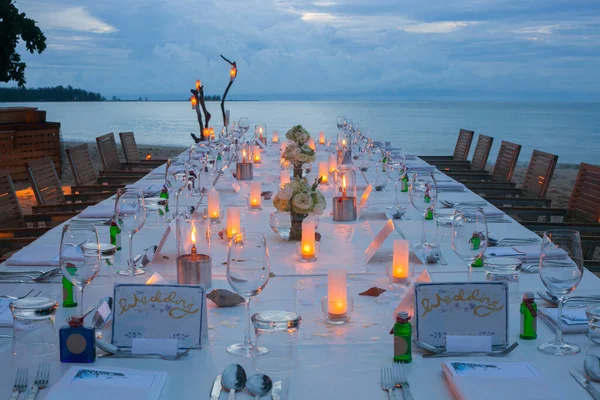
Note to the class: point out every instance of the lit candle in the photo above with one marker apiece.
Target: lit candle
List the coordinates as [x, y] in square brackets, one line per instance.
[344, 143]
[257, 155]
[260, 132]
[284, 177]
[244, 155]
[194, 251]
[282, 147]
[255, 199]
[332, 163]
[307, 245]
[198, 84]
[337, 297]
[343, 185]
[311, 143]
[232, 73]
[212, 133]
[321, 137]
[275, 137]
[233, 221]
[323, 173]
[214, 204]
[400, 261]
[148, 156]
[206, 132]
[194, 102]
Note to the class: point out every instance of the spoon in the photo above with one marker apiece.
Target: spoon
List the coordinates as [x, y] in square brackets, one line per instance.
[115, 352]
[497, 353]
[591, 365]
[233, 379]
[40, 278]
[259, 385]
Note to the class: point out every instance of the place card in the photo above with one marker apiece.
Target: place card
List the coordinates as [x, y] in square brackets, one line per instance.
[156, 279]
[468, 344]
[461, 308]
[379, 239]
[165, 347]
[229, 175]
[159, 312]
[162, 242]
[364, 198]
[260, 143]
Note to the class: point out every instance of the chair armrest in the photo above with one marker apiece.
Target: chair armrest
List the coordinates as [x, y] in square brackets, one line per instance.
[469, 175]
[124, 173]
[85, 189]
[518, 201]
[22, 232]
[439, 158]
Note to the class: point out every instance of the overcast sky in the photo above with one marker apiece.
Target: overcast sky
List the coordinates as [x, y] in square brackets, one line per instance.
[322, 49]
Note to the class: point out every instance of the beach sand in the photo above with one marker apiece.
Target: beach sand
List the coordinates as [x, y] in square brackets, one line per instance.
[559, 192]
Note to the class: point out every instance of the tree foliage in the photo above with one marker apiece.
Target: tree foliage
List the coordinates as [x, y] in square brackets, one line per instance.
[14, 26]
[58, 93]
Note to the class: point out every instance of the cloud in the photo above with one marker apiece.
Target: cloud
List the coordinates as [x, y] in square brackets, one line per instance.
[75, 18]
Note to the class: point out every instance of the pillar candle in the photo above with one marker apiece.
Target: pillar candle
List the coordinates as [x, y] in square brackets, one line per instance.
[400, 261]
[214, 204]
[257, 155]
[275, 137]
[284, 177]
[332, 163]
[323, 173]
[337, 297]
[321, 137]
[255, 199]
[233, 221]
[307, 245]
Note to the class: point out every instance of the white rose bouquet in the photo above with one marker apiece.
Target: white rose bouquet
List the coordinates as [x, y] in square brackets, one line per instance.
[298, 152]
[298, 135]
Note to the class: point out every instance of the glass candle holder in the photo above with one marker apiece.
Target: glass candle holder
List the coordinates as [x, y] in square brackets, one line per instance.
[308, 255]
[333, 316]
[260, 132]
[215, 217]
[344, 195]
[194, 258]
[34, 330]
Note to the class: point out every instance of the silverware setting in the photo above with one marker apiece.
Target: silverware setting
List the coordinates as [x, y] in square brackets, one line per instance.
[41, 379]
[387, 382]
[44, 276]
[20, 383]
[495, 353]
[22, 297]
[115, 352]
[531, 268]
[234, 380]
[400, 381]
[509, 242]
[586, 384]
[550, 298]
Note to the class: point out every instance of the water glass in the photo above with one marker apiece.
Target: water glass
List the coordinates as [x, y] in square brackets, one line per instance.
[130, 211]
[502, 268]
[593, 316]
[277, 331]
[469, 234]
[423, 197]
[34, 330]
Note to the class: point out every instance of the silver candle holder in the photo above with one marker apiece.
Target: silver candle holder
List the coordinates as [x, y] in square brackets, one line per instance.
[194, 260]
[194, 269]
[344, 194]
[244, 171]
[344, 209]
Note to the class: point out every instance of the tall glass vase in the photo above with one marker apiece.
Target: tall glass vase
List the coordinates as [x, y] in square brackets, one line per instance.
[296, 228]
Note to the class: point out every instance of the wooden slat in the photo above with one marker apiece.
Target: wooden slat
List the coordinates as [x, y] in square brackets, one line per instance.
[107, 147]
[584, 203]
[130, 148]
[11, 215]
[539, 174]
[463, 145]
[82, 165]
[506, 162]
[44, 181]
[482, 153]
[21, 114]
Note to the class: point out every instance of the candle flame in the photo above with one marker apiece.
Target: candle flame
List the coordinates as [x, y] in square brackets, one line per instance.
[193, 235]
[198, 84]
[148, 156]
[343, 182]
[233, 72]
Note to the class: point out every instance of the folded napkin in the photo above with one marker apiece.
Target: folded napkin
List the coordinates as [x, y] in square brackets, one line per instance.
[450, 186]
[39, 255]
[6, 318]
[492, 212]
[530, 253]
[102, 210]
[147, 188]
[574, 319]
[421, 167]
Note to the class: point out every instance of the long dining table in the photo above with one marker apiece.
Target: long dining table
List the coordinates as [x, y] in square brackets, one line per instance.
[335, 361]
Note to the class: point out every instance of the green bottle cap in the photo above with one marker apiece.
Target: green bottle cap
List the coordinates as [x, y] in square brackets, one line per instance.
[528, 296]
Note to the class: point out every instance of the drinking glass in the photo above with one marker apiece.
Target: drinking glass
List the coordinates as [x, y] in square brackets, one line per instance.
[243, 125]
[177, 180]
[248, 269]
[423, 196]
[79, 255]
[130, 211]
[341, 122]
[469, 234]
[561, 269]
[396, 171]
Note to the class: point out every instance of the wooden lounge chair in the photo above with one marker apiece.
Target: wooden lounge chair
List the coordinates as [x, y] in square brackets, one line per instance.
[461, 150]
[14, 230]
[86, 178]
[132, 155]
[478, 163]
[107, 148]
[532, 192]
[49, 193]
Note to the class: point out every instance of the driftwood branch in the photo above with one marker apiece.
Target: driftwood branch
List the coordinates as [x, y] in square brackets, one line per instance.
[198, 112]
[233, 65]
[204, 110]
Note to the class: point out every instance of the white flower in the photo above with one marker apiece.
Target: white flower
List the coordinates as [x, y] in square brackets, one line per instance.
[286, 192]
[302, 203]
[319, 208]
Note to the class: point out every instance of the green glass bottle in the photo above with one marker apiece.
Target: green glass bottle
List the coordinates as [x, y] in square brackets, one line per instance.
[528, 317]
[115, 234]
[383, 162]
[68, 291]
[164, 194]
[402, 338]
[404, 184]
[474, 243]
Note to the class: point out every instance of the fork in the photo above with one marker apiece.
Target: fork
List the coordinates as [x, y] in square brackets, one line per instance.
[41, 380]
[512, 241]
[22, 297]
[387, 382]
[401, 382]
[20, 383]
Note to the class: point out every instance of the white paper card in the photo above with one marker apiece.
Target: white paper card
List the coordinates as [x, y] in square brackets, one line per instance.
[166, 347]
[156, 279]
[461, 308]
[490, 369]
[408, 302]
[364, 198]
[468, 344]
[379, 239]
[104, 311]
[260, 143]
[162, 241]
[229, 175]
[159, 312]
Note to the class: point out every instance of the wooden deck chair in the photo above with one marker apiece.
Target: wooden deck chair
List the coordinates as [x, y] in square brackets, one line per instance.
[132, 154]
[504, 168]
[109, 155]
[477, 164]
[86, 177]
[49, 193]
[461, 150]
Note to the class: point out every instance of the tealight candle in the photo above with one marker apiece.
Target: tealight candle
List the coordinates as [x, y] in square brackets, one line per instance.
[254, 201]
[307, 245]
[198, 84]
[275, 137]
[214, 205]
[206, 132]
[257, 159]
[400, 263]
[311, 143]
[321, 137]
[284, 177]
[323, 173]
[337, 296]
[332, 163]
[194, 102]
[233, 221]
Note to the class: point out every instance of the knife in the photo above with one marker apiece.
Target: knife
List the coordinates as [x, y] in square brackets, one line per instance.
[215, 392]
[585, 383]
[276, 391]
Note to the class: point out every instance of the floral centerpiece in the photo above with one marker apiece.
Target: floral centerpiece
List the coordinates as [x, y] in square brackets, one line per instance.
[298, 152]
[299, 199]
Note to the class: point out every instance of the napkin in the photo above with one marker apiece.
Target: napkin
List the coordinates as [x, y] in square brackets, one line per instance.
[102, 210]
[420, 167]
[450, 186]
[574, 319]
[530, 253]
[41, 255]
[6, 319]
[147, 188]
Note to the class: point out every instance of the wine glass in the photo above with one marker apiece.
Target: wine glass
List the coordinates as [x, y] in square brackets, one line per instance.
[248, 269]
[243, 125]
[177, 180]
[79, 255]
[561, 270]
[396, 171]
[423, 196]
[130, 211]
[470, 235]
[341, 122]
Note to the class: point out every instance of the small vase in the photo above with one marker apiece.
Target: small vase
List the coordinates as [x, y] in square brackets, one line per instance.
[296, 228]
[284, 223]
[298, 171]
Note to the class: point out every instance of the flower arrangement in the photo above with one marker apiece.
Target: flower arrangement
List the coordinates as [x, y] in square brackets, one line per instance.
[299, 199]
[298, 152]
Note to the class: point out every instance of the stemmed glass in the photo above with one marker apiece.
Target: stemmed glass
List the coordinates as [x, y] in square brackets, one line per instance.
[248, 270]
[243, 125]
[561, 270]
[177, 180]
[341, 122]
[423, 196]
[469, 234]
[79, 255]
[130, 211]
[396, 170]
